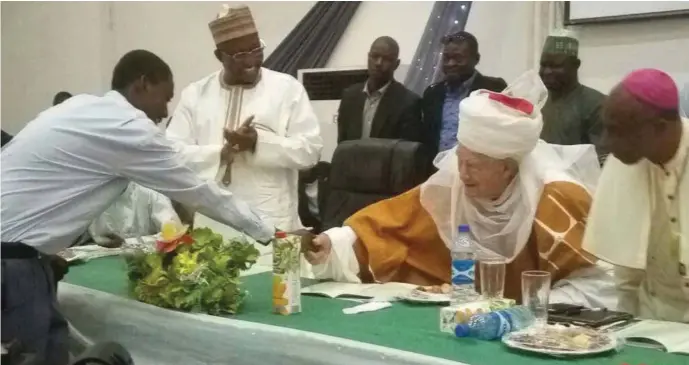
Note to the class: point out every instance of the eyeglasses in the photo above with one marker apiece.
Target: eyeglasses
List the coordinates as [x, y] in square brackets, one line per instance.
[243, 56]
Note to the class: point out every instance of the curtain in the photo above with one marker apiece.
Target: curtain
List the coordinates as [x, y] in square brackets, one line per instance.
[547, 16]
[446, 17]
[311, 43]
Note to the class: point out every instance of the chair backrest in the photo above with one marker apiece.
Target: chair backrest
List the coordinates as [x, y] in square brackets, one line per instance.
[366, 171]
[319, 176]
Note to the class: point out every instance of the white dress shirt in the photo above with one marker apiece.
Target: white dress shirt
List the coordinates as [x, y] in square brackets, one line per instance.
[75, 159]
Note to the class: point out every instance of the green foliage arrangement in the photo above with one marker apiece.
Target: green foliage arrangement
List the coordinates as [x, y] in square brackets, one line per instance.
[198, 272]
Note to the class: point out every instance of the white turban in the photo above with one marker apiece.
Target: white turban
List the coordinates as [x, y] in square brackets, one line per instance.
[502, 125]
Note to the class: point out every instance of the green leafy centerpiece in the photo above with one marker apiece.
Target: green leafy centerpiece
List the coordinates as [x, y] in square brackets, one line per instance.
[197, 271]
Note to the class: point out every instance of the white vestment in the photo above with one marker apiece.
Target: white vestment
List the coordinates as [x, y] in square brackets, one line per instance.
[639, 221]
[139, 211]
[288, 140]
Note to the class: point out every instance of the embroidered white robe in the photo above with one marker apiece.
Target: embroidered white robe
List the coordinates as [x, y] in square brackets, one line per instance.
[288, 140]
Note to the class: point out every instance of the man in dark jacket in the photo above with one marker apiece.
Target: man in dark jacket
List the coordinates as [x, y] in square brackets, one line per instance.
[381, 107]
[573, 112]
[61, 97]
[6, 138]
[441, 100]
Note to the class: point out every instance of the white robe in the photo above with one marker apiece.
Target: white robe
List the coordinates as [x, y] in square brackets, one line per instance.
[639, 221]
[591, 286]
[288, 140]
[139, 211]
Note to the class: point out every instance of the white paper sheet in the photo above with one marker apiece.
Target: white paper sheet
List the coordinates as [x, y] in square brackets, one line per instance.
[379, 292]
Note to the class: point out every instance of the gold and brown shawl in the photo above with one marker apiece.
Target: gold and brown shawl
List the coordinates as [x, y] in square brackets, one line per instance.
[398, 240]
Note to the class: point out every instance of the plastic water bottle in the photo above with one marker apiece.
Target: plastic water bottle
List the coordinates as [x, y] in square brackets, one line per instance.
[494, 325]
[463, 262]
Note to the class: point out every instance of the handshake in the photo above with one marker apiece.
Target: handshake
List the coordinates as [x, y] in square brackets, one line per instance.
[316, 248]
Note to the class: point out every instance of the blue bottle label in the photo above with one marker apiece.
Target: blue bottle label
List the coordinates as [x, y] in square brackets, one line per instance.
[462, 272]
[505, 326]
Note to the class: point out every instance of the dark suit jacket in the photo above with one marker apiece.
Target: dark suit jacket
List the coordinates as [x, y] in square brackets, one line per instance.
[398, 115]
[433, 99]
[6, 138]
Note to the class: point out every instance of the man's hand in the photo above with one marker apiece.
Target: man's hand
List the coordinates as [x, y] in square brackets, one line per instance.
[243, 138]
[321, 247]
[306, 238]
[59, 266]
[227, 152]
[114, 241]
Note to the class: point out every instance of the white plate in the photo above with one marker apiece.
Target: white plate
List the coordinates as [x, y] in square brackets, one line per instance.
[521, 340]
[418, 296]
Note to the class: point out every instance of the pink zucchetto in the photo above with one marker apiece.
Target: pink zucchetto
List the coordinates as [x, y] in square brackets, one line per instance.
[654, 88]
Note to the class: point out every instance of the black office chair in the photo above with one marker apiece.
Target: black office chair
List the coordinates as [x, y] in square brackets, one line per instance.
[318, 175]
[105, 353]
[366, 171]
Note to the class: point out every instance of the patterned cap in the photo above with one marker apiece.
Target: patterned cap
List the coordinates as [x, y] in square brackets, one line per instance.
[232, 23]
[561, 42]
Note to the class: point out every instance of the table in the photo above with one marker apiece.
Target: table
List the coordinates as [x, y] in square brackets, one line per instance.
[398, 332]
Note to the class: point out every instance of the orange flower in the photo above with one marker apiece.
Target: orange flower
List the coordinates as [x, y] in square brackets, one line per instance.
[169, 246]
[172, 234]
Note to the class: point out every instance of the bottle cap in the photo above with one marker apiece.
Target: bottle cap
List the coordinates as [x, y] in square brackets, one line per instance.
[464, 228]
[280, 234]
[462, 330]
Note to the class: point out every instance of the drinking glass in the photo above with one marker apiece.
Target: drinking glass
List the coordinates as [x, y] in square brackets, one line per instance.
[492, 275]
[535, 294]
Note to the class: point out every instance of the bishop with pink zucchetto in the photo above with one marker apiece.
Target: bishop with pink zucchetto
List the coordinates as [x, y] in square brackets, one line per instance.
[639, 220]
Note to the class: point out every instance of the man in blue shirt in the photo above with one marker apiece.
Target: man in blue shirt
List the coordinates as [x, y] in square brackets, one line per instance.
[441, 100]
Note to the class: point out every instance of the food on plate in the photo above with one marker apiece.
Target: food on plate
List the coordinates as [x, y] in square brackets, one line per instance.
[436, 289]
[561, 338]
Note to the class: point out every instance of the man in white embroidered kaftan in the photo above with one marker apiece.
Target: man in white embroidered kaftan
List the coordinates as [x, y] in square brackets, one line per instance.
[248, 127]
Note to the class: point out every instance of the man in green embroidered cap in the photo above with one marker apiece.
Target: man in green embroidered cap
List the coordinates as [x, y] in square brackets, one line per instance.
[572, 114]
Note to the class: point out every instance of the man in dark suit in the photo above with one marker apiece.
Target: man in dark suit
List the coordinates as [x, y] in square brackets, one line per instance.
[60, 97]
[381, 107]
[6, 138]
[441, 100]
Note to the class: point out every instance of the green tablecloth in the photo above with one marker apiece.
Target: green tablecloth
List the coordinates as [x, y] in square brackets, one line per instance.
[404, 327]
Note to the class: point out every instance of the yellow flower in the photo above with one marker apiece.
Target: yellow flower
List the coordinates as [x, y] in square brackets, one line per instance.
[172, 230]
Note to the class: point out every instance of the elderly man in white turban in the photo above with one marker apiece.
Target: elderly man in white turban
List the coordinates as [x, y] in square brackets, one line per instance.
[524, 200]
[248, 127]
